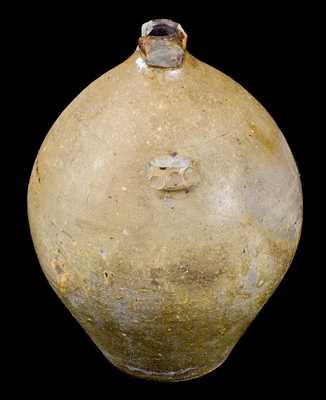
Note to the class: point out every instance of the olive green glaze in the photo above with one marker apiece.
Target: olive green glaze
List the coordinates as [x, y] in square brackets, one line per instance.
[165, 208]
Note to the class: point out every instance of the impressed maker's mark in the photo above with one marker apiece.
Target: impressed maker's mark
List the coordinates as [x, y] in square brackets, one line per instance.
[172, 173]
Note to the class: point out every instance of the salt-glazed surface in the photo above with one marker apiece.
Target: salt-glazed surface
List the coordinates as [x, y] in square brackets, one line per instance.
[165, 208]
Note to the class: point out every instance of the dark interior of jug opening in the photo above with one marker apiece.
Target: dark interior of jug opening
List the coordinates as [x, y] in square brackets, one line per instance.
[162, 30]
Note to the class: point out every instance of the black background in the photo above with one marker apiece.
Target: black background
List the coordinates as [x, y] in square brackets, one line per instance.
[55, 54]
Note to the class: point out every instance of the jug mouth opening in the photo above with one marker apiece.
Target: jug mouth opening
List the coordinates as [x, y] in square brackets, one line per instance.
[160, 27]
[162, 43]
[162, 30]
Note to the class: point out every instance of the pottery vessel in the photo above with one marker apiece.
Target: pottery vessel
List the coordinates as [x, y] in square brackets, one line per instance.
[165, 207]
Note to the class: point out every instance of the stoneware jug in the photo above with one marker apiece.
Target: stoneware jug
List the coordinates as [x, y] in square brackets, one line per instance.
[165, 207]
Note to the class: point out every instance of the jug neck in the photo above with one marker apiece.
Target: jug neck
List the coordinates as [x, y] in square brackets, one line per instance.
[162, 43]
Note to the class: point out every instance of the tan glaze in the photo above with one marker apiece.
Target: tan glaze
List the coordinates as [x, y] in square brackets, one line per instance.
[165, 208]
